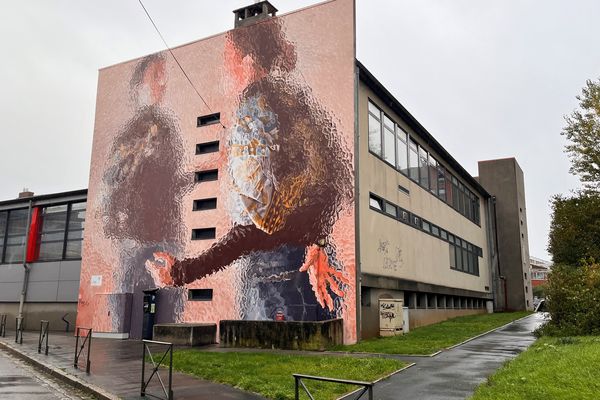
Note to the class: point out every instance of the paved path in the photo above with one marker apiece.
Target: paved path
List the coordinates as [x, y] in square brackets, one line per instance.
[454, 374]
[20, 381]
[116, 368]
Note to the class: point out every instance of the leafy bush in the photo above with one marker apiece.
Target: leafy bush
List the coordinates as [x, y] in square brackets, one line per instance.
[573, 301]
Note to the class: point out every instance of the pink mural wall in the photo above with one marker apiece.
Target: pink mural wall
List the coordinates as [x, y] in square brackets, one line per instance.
[284, 220]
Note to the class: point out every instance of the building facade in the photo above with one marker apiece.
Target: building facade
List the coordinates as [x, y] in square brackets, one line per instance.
[292, 186]
[539, 270]
[40, 258]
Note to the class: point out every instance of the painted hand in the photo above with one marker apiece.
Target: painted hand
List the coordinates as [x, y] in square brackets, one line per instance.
[160, 268]
[323, 276]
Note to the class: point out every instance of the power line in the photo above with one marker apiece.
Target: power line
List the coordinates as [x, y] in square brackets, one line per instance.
[176, 60]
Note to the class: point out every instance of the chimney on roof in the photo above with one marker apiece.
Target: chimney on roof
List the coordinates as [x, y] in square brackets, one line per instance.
[253, 13]
[25, 193]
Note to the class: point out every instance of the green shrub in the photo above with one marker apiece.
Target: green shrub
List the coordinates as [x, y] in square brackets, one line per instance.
[573, 301]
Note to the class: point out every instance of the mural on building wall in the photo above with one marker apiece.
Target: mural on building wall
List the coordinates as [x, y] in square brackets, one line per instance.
[285, 244]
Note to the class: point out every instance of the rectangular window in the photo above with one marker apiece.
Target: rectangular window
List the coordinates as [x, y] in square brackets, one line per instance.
[404, 216]
[209, 119]
[203, 233]
[433, 175]
[443, 234]
[404, 190]
[77, 212]
[452, 256]
[423, 168]
[374, 129]
[206, 176]
[15, 236]
[413, 161]
[200, 294]
[401, 150]
[391, 209]
[426, 226]
[465, 256]
[389, 141]
[208, 147]
[459, 260]
[441, 182]
[205, 204]
[3, 220]
[416, 221]
[461, 198]
[375, 202]
[455, 194]
[435, 231]
[51, 238]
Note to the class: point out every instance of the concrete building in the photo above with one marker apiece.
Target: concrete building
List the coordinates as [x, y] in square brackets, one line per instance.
[40, 258]
[539, 270]
[504, 178]
[296, 189]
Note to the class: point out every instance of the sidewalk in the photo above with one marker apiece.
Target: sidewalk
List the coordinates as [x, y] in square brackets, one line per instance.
[115, 369]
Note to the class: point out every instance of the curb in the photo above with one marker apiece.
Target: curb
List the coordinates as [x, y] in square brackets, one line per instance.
[60, 374]
[378, 380]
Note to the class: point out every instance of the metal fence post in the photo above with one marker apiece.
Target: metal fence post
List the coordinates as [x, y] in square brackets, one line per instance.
[44, 328]
[79, 349]
[143, 391]
[3, 325]
[171, 372]
[89, 363]
[19, 330]
[76, 347]
[297, 397]
[168, 391]
[366, 386]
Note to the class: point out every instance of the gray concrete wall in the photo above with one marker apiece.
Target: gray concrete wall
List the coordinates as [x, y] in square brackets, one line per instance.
[504, 180]
[35, 312]
[56, 281]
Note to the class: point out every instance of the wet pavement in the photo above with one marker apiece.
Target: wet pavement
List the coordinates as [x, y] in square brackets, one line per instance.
[454, 374]
[116, 369]
[20, 381]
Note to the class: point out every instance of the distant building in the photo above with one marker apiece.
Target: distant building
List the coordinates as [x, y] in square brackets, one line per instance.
[539, 270]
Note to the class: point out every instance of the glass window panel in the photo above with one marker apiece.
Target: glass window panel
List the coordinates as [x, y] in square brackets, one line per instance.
[53, 236]
[391, 210]
[451, 238]
[78, 206]
[75, 234]
[416, 221]
[413, 161]
[470, 266]
[465, 257]
[449, 196]
[375, 203]
[73, 249]
[404, 216]
[426, 226]
[77, 219]
[423, 168]
[389, 146]
[458, 258]
[3, 219]
[402, 152]
[374, 135]
[14, 254]
[51, 251]
[433, 174]
[441, 182]
[17, 222]
[435, 230]
[388, 122]
[455, 197]
[452, 256]
[374, 109]
[443, 234]
[54, 222]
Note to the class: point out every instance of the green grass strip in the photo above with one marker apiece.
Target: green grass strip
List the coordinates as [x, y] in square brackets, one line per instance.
[432, 338]
[552, 368]
[270, 374]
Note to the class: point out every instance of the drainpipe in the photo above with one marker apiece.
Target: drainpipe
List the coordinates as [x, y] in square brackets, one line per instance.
[26, 268]
[502, 277]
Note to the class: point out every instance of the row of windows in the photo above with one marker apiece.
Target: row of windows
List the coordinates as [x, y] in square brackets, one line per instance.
[390, 142]
[208, 203]
[59, 236]
[464, 256]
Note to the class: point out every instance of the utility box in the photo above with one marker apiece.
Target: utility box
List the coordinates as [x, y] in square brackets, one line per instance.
[391, 317]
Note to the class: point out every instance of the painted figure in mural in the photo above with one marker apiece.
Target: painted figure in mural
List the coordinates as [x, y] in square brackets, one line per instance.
[143, 186]
[290, 177]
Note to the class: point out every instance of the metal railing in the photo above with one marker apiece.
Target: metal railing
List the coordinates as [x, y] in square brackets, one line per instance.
[167, 391]
[367, 387]
[3, 325]
[19, 330]
[44, 328]
[79, 349]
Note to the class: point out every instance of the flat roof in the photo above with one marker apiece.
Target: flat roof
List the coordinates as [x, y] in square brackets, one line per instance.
[369, 79]
[51, 196]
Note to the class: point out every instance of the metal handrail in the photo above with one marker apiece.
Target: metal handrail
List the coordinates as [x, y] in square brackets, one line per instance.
[367, 387]
[3, 325]
[78, 349]
[19, 330]
[44, 328]
[168, 392]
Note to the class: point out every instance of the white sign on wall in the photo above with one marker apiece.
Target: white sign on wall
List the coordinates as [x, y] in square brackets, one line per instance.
[96, 280]
[391, 317]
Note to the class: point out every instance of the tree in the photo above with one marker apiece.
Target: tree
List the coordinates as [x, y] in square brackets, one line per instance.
[575, 228]
[583, 132]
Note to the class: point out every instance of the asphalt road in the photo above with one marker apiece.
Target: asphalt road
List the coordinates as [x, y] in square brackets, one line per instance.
[20, 381]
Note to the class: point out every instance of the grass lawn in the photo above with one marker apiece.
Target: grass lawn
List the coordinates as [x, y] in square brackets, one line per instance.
[552, 368]
[431, 338]
[270, 374]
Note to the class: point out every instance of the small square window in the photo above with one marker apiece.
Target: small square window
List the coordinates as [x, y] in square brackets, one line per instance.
[206, 176]
[208, 147]
[205, 204]
[376, 203]
[203, 233]
[200, 294]
[209, 119]
[391, 209]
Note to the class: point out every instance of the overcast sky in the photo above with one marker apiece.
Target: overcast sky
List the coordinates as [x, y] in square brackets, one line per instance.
[489, 79]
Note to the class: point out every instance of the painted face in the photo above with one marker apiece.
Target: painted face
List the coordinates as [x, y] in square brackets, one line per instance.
[154, 83]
